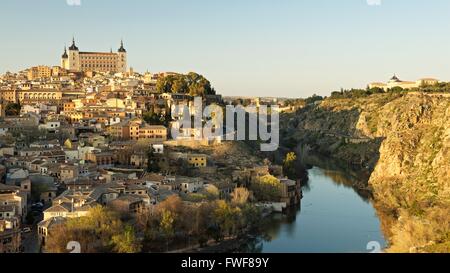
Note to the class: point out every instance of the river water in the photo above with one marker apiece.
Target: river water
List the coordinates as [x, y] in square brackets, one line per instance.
[334, 217]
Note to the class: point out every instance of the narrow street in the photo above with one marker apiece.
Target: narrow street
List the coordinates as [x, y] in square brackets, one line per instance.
[30, 241]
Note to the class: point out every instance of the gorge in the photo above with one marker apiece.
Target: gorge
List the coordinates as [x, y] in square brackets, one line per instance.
[402, 139]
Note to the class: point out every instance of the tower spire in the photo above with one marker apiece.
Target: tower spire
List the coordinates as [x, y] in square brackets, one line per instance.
[122, 49]
[65, 52]
[73, 46]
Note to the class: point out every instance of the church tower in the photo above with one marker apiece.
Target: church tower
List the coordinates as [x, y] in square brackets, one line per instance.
[65, 59]
[122, 61]
[74, 57]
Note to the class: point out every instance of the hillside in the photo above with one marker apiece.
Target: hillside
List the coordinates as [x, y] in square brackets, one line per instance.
[405, 139]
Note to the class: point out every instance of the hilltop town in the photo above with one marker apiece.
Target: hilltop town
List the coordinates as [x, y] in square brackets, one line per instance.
[90, 139]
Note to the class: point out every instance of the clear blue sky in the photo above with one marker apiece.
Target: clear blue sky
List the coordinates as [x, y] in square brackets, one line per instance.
[291, 48]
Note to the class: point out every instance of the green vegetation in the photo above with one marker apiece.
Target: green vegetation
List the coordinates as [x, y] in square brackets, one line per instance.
[400, 135]
[372, 123]
[125, 242]
[12, 109]
[152, 161]
[166, 226]
[289, 163]
[443, 87]
[211, 192]
[177, 224]
[438, 88]
[358, 93]
[155, 119]
[430, 233]
[266, 188]
[192, 84]
[101, 231]
[36, 190]
[295, 102]
[313, 99]
[240, 196]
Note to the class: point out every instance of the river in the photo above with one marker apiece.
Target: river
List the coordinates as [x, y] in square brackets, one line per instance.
[334, 217]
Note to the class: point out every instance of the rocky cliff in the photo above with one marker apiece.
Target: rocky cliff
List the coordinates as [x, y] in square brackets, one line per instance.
[405, 140]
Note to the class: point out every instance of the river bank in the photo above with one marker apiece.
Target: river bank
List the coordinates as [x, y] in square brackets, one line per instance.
[334, 217]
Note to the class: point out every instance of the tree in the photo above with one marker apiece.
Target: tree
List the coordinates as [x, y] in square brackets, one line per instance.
[167, 225]
[152, 162]
[227, 217]
[427, 232]
[288, 163]
[12, 109]
[58, 238]
[37, 189]
[376, 90]
[266, 188]
[192, 84]
[396, 89]
[180, 85]
[314, 98]
[204, 225]
[173, 204]
[155, 119]
[183, 167]
[93, 232]
[251, 218]
[200, 87]
[126, 242]
[290, 159]
[164, 84]
[212, 192]
[201, 222]
[240, 196]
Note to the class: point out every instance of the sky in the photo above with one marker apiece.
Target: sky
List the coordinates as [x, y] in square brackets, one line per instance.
[279, 48]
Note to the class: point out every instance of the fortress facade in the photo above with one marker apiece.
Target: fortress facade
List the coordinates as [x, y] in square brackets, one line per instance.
[81, 61]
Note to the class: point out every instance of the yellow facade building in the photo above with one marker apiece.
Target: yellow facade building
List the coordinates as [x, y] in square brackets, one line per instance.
[74, 116]
[78, 61]
[32, 95]
[153, 132]
[39, 72]
[196, 160]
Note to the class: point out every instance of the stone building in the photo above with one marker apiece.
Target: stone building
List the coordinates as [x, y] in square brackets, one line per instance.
[396, 82]
[79, 61]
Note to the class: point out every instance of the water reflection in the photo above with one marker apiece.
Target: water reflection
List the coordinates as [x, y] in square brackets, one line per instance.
[341, 174]
[336, 214]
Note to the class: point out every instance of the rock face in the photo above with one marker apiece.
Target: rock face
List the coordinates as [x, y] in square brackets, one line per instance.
[405, 139]
[414, 156]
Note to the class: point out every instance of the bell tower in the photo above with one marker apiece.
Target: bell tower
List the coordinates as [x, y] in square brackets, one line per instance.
[122, 61]
[65, 59]
[74, 57]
